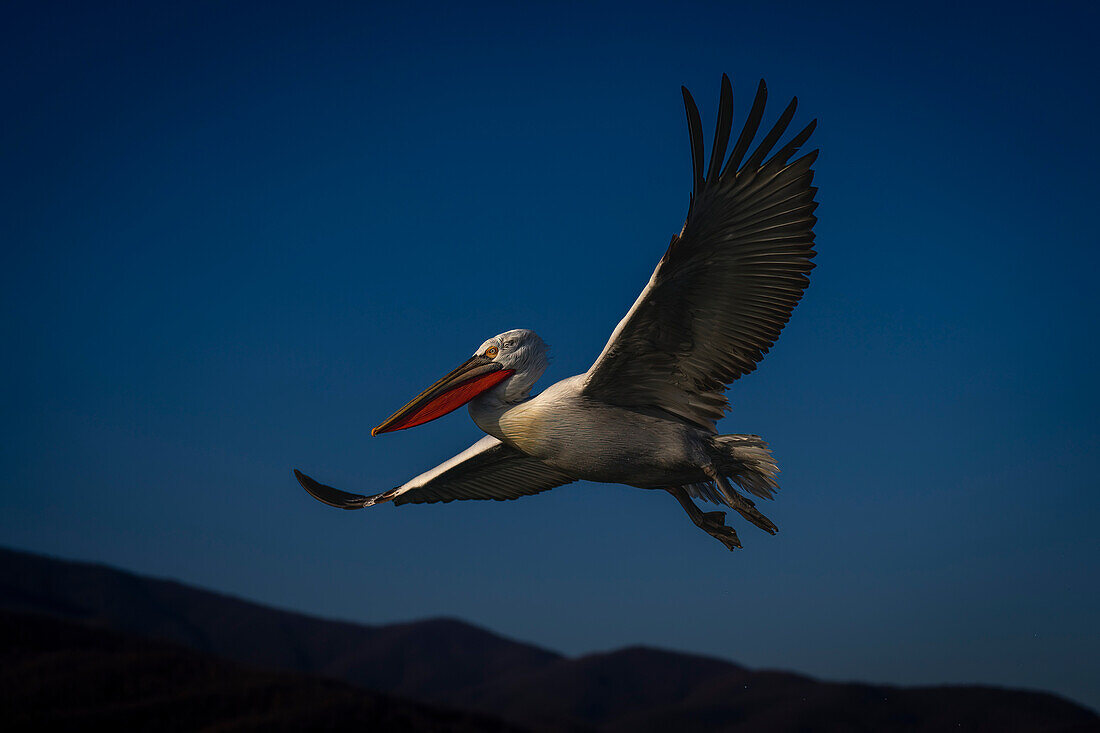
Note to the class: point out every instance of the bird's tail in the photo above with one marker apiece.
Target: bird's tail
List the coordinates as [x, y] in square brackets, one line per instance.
[748, 462]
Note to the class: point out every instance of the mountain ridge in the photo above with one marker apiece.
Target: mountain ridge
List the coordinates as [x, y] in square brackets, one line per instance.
[62, 674]
[253, 633]
[448, 662]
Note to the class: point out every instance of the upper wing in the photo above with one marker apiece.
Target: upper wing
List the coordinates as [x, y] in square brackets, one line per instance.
[488, 469]
[727, 284]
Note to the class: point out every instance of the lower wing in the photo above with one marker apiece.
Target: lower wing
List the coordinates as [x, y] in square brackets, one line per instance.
[488, 469]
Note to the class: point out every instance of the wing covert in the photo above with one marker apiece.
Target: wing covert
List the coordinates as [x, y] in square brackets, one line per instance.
[489, 469]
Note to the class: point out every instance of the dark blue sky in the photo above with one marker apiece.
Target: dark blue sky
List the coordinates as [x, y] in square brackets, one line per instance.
[237, 237]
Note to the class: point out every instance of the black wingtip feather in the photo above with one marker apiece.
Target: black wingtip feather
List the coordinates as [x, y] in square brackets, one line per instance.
[329, 495]
[780, 159]
[721, 130]
[810, 158]
[695, 131]
[769, 141]
[748, 132]
[800, 139]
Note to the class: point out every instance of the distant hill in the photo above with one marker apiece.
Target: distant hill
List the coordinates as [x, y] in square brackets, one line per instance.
[453, 664]
[415, 659]
[58, 674]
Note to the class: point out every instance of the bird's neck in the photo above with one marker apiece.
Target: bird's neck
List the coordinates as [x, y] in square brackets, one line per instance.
[487, 408]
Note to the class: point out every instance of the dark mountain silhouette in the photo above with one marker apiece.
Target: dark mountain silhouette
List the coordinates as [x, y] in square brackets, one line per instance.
[641, 689]
[57, 674]
[456, 665]
[413, 659]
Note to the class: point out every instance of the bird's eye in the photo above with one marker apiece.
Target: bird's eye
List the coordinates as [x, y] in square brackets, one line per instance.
[491, 351]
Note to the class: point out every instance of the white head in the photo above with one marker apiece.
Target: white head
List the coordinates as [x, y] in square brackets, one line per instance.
[508, 365]
[521, 351]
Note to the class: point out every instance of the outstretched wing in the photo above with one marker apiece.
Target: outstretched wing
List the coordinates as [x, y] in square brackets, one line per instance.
[728, 282]
[488, 469]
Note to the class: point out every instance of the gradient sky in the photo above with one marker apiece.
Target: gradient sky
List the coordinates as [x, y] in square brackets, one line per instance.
[236, 236]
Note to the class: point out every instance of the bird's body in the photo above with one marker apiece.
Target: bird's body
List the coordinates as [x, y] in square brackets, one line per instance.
[645, 413]
[592, 440]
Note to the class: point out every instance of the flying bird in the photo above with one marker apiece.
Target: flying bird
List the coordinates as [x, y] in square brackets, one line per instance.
[645, 413]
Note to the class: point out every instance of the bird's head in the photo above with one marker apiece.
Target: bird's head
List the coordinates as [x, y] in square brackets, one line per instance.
[512, 362]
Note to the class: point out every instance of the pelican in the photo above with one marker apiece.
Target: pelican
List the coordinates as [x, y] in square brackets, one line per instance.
[645, 413]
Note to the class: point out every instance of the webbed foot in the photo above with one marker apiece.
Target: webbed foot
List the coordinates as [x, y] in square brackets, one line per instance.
[714, 524]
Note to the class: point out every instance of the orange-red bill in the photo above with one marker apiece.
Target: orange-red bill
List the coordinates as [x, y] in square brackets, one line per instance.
[448, 394]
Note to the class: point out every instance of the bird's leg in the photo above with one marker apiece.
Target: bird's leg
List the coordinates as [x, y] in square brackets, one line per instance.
[745, 506]
[713, 523]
